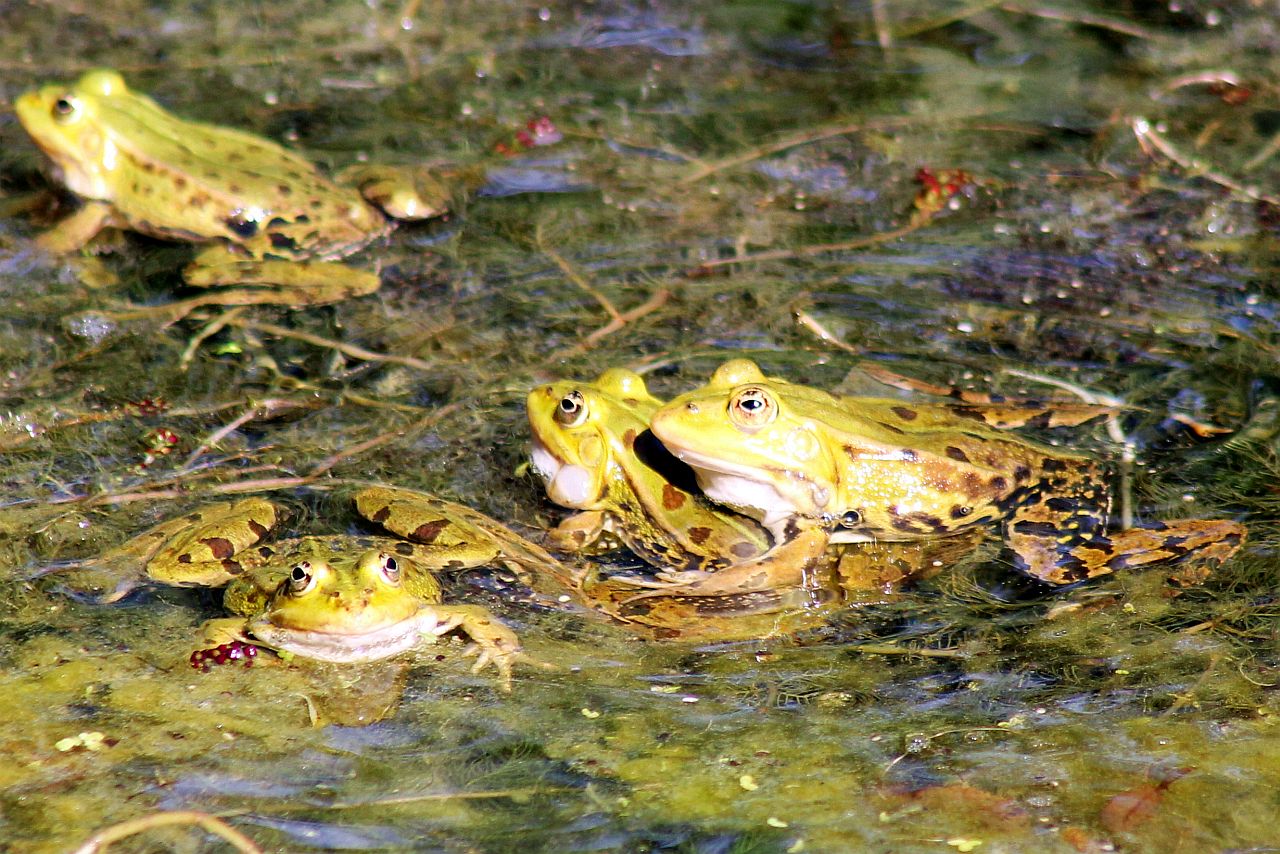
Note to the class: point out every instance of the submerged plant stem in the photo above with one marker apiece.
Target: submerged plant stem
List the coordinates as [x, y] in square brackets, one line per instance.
[101, 840]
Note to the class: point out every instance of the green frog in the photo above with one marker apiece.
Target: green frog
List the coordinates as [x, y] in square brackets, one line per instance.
[816, 469]
[348, 599]
[268, 215]
[593, 448]
[334, 598]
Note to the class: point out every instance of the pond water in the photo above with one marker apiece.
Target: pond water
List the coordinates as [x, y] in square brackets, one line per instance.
[762, 179]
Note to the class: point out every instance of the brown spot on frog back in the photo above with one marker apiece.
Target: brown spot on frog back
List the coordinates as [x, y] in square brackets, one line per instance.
[699, 535]
[905, 413]
[672, 498]
[629, 440]
[427, 532]
[957, 454]
[220, 547]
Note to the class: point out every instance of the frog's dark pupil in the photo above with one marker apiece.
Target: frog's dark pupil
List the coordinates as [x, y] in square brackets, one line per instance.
[850, 518]
[299, 573]
[63, 106]
[391, 564]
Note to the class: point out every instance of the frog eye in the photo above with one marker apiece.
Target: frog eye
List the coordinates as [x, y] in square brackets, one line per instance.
[301, 579]
[390, 568]
[752, 408]
[65, 109]
[571, 410]
[850, 519]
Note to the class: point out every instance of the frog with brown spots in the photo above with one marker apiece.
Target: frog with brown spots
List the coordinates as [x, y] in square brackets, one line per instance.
[814, 469]
[593, 448]
[267, 215]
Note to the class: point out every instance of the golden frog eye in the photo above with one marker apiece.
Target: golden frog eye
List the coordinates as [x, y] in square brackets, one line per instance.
[301, 579]
[850, 519]
[571, 410]
[752, 408]
[390, 568]
[65, 109]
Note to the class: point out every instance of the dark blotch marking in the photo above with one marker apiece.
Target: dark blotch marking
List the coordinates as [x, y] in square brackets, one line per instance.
[221, 547]
[672, 498]
[742, 550]
[910, 456]
[1044, 419]
[284, 189]
[629, 438]
[891, 428]
[905, 413]
[243, 228]
[383, 513]
[428, 531]
[277, 222]
[1049, 464]
[956, 454]
[259, 530]
[232, 567]
[1061, 505]
[404, 549]
[1035, 529]
[999, 484]
[699, 535]
[1021, 473]
[283, 241]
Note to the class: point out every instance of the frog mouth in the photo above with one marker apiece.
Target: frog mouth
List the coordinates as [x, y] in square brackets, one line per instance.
[343, 648]
[743, 487]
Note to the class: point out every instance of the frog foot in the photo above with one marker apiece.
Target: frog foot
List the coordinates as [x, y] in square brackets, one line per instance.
[491, 641]
[1077, 556]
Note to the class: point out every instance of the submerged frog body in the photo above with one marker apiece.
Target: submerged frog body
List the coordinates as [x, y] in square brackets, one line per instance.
[592, 446]
[815, 469]
[269, 216]
[334, 598]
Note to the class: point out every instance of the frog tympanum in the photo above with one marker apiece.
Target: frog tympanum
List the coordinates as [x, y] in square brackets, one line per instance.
[268, 215]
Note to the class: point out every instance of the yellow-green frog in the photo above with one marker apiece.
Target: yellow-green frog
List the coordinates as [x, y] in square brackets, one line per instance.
[337, 599]
[270, 217]
[592, 446]
[816, 469]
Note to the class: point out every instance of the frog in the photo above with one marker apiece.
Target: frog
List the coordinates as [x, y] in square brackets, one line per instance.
[267, 215]
[349, 599]
[834, 469]
[329, 597]
[594, 451]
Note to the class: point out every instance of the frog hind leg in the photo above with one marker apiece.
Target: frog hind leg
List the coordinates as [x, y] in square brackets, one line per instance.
[1063, 541]
[284, 282]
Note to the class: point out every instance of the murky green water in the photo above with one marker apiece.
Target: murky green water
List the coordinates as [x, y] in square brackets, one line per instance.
[1118, 234]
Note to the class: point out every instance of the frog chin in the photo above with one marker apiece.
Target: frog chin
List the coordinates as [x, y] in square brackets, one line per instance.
[372, 645]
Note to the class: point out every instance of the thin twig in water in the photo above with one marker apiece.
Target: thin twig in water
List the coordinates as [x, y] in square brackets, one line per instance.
[346, 349]
[382, 439]
[1087, 19]
[210, 329]
[1148, 135]
[802, 138]
[571, 273]
[816, 249]
[255, 412]
[811, 323]
[209, 823]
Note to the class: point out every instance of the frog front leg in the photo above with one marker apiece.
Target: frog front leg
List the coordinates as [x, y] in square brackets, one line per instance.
[1063, 540]
[284, 282]
[76, 230]
[493, 642]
